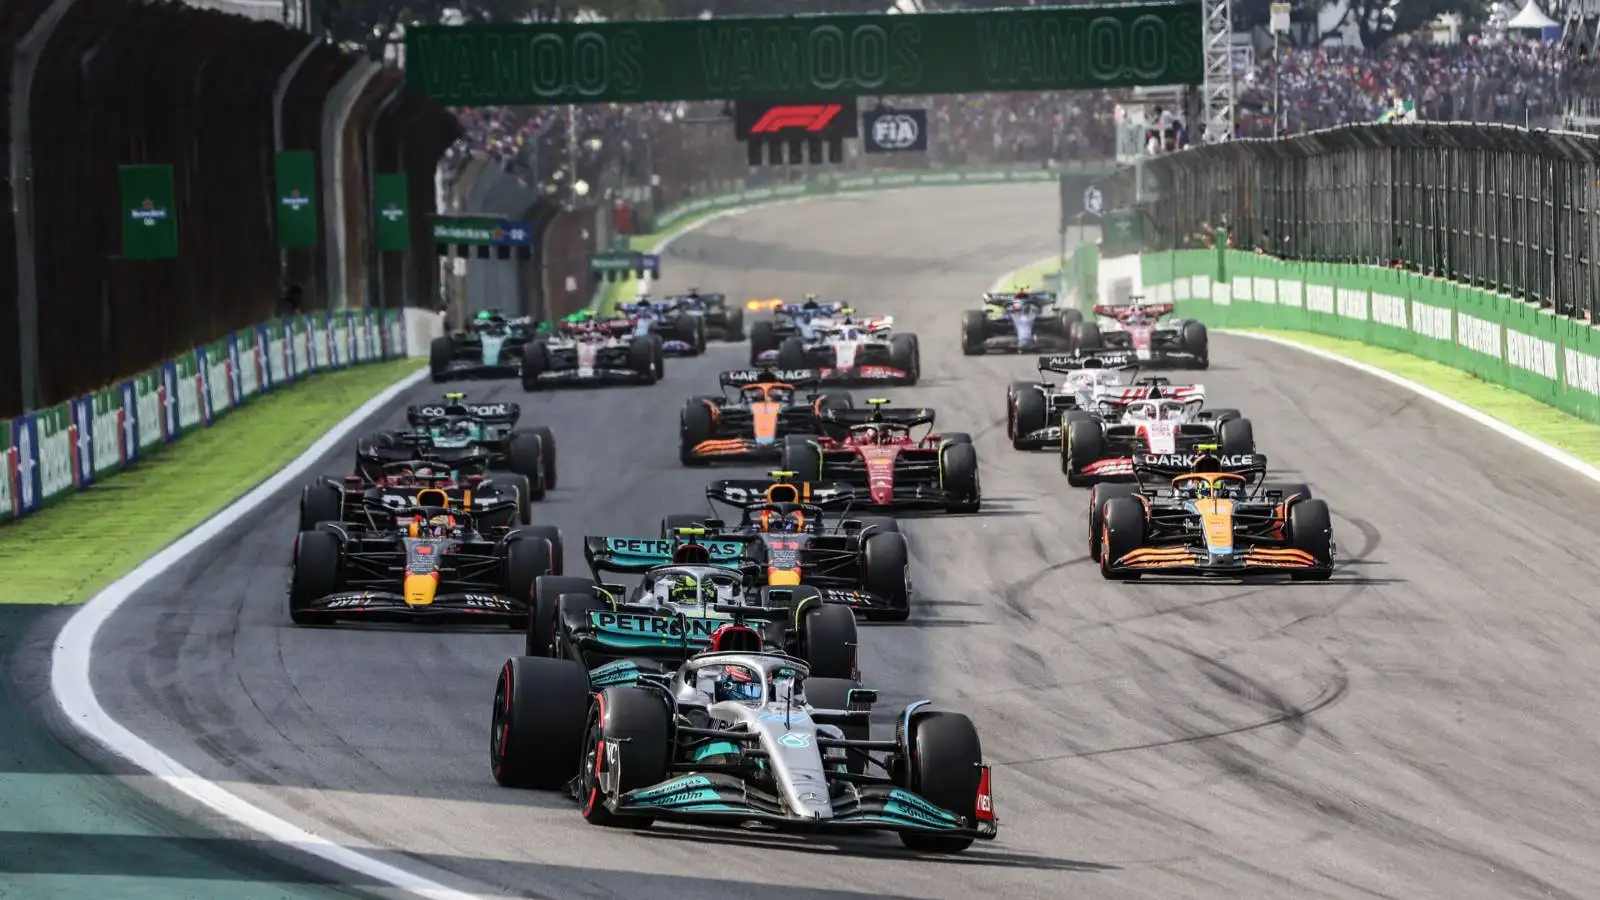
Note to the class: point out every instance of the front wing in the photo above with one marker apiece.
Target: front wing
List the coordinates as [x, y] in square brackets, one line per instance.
[903, 497]
[736, 449]
[864, 375]
[1042, 343]
[595, 376]
[1246, 562]
[463, 369]
[463, 607]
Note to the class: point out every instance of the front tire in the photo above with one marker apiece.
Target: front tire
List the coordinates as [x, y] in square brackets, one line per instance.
[316, 572]
[537, 729]
[958, 464]
[636, 723]
[973, 326]
[945, 767]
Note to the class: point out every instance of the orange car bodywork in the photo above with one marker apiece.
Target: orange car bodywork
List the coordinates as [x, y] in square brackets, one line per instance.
[1217, 536]
[765, 415]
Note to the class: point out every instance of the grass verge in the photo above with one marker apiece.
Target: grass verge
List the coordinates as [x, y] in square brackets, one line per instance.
[72, 549]
[1546, 423]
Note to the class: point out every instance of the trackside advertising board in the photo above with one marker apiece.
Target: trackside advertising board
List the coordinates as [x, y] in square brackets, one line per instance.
[1500, 339]
[49, 453]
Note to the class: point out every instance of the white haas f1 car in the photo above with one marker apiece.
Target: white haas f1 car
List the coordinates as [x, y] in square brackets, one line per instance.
[855, 351]
[1153, 420]
[1137, 327]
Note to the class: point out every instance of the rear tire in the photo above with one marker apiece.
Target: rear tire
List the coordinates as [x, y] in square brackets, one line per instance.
[886, 572]
[540, 636]
[1086, 336]
[803, 458]
[320, 503]
[535, 362]
[828, 640]
[526, 559]
[536, 733]
[642, 359]
[792, 353]
[905, 354]
[973, 330]
[1197, 342]
[1237, 436]
[945, 768]
[523, 490]
[635, 722]
[763, 339]
[547, 453]
[735, 328]
[526, 458]
[441, 353]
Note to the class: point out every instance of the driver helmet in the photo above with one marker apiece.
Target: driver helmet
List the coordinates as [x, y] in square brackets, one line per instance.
[869, 435]
[1141, 411]
[694, 293]
[685, 591]
[441, 526]
[484, 315]
[1170, 410]
[811, 301]
[783, 521]
[738, 684]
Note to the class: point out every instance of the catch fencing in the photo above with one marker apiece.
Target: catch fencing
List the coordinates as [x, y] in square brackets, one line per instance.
[1496, 207]
[117, 82]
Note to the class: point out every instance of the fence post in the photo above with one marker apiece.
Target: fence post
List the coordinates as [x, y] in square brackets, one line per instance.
[376, 297]
[341, 100]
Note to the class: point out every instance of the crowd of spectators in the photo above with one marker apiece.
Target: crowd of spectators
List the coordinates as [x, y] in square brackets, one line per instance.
[1513, 82]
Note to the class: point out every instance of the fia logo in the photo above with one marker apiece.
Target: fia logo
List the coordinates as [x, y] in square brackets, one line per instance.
[895, 132]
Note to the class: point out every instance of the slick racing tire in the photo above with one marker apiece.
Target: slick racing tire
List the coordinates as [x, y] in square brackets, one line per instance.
[828, 639]
[792, 353]
[733, 332]
[547, 454]
[673, 521]
[691, 330]
[315, 574]
[441, 353]
[535, 362]
[871, 525]
[1082, 443]
[320, 503]
[803, 458]
[658, 354]
[527, 458]
[1292, 493]
[524, 559]
[636, 723]
[905, 353]
[958, 475]
[1099, 496]
[1311, 530]
[973, 330]
[524, 491]
[1236, 436]
[955, 437]
[1068, 318]
[1122, 533]
[1196, 342]
[1085, 336]
[1029, 413]
[763, 339]
[944, 765]
[836, 400]
[886, 572]
[541, 709]
[545, 610]
[834, 693]
[695, 427]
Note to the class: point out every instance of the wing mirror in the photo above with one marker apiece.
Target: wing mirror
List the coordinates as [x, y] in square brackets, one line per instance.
[860, 699]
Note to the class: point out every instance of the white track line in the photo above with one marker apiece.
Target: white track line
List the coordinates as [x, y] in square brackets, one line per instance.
[74, 691]
[1554, 454]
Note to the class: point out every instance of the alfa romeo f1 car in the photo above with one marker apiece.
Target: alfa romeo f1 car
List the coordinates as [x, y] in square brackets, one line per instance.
[691, 587]
[490, 347]
[1136, 327]
[495, 502]
[681, 333]
[1101, 446]
[734, 735]
[873, 453]
[1017, 322]
[788, 320]
[1218, 518]
[769, 407]
[591, 353]
[425, 562]
[466, 436]
[721, 322]
[855, 351]
[863, 562]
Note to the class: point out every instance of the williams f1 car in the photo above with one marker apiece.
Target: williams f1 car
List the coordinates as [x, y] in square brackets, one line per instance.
[1137, 327]
[490, 347]
[798, 533]
[681, 333]
[855, 351]
[1017, 322]
[692, 585]
[1217, 518]
[769, 407]
[592, 353]
[874, 453]
[1099, 446]
[736, 735]
[425, 562]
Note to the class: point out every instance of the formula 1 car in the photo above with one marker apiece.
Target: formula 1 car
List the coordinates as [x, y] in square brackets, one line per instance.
[1017, 322]
[788, 320]
[721, 322]
[1101, 446]
[466, 436]
[873, 452]
[429, 561]
[591, 353]
[1034, 408]
[1218, 518]
[691, 586]
[855, 351]
[1136, 326]
[860, 562]
[495, 501]
[735, 735]
[489, 347]
[769, 407]
[681, 333]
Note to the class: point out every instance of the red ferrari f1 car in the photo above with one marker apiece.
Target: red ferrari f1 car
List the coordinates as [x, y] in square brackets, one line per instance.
[874, 452]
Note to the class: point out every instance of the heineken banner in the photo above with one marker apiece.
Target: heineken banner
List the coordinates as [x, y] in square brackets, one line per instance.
[295, 172]
[390, 205]
[149, 212]
[49, 453]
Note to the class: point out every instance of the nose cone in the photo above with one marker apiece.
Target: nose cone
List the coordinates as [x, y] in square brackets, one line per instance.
[782, 577]
[419, 589]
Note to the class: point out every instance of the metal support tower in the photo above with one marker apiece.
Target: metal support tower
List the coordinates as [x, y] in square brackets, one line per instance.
[1217, 90]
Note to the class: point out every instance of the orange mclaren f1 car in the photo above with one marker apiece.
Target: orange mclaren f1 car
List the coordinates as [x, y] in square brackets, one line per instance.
[1210, 522]
[770, 404]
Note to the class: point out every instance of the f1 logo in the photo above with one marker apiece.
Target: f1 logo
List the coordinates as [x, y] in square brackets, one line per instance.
[812, 118]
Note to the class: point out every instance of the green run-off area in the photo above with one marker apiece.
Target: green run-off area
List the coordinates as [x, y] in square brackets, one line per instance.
[1058, 48]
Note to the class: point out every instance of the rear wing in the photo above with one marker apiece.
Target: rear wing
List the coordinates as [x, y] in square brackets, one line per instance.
[1250, 465]
[636, 555]
[1064, 364]
[1000, 298]
[1123, 394]
[752, 492]
[1119, 310]
[800, 378]
[488, 413]
[908, 417]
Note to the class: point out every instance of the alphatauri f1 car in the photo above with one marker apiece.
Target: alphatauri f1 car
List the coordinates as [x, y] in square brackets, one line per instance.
[735, 735]
[770, 406]
[1034, 409]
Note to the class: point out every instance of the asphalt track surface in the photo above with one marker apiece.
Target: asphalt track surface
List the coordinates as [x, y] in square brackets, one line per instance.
[1421, 726]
